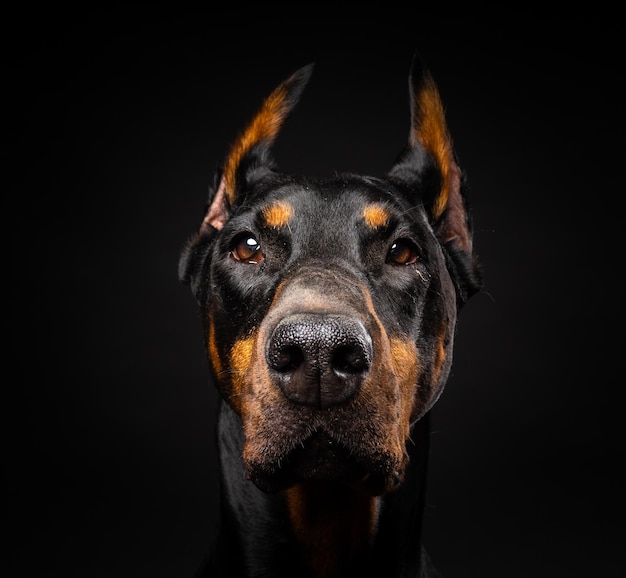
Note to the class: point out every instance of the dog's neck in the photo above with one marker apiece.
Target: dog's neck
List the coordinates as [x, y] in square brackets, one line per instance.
[319, 530]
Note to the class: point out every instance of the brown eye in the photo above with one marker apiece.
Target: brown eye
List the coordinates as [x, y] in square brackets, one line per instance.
[247, 249]
[402, 252]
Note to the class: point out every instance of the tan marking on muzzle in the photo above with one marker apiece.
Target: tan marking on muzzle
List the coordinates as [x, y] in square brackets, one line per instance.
[406, 368]
[405, 363]
[213, 351]
[240, 360]
[400, 358]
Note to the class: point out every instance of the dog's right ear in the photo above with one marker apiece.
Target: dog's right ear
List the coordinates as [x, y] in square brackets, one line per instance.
[249, 158]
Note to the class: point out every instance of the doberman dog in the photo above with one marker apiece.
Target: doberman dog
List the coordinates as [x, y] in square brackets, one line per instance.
[329, 309]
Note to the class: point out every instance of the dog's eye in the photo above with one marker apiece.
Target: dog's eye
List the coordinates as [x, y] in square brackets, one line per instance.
[402, 252]
[247, 249]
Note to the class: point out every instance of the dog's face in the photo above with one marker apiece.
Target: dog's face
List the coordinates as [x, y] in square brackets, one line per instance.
[329, 305]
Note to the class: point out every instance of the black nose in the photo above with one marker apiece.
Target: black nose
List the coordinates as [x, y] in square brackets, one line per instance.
[319, 360]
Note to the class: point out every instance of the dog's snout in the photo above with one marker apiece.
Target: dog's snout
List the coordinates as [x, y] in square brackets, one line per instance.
[319, 360]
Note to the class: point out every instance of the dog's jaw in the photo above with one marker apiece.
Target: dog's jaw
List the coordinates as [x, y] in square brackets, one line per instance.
[322, 459]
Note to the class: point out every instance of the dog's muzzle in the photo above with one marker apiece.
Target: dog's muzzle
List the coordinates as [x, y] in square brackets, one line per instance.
[326, 395]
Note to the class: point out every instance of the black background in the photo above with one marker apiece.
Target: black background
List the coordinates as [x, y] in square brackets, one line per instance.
[116, 121]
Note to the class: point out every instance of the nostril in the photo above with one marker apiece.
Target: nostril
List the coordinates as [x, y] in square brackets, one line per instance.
[286, 358]
[350, 360]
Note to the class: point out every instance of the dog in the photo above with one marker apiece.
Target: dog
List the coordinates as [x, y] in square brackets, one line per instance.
[329, 310]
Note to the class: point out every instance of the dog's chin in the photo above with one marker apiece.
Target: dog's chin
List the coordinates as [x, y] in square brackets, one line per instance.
[320, 458]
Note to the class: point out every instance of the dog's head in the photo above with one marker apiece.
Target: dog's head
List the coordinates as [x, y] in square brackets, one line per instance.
[329, 305]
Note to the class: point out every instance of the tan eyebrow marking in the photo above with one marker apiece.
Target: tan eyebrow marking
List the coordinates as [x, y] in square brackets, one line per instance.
[278, 214]
[376, 215]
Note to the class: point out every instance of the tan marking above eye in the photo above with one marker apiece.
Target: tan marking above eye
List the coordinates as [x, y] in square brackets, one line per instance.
[278, 214]
[376, 215]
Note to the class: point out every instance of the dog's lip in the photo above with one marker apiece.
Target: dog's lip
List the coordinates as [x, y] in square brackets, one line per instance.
[321, 457]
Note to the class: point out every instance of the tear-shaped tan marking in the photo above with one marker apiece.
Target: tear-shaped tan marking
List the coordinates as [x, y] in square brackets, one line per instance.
[376, 215]
[278, 214]
[431, 131]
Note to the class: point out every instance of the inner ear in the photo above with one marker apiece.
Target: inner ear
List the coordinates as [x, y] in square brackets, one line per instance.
[454, 224]
[217, 214]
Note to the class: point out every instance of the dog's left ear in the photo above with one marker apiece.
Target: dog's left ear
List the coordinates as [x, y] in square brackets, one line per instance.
[427, 169]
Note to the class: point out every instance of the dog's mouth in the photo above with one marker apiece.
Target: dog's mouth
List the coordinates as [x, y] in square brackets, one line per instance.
[322, 458]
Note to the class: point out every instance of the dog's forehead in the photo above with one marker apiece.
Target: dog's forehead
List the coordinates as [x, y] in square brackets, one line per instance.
[333, 204]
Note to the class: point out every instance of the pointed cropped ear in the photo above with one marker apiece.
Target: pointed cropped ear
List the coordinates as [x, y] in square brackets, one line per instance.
[428, 164]
[249, 155]
[252, 149]
[428, 169]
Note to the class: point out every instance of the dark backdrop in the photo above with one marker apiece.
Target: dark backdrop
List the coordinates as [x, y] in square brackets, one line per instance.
[117, 120]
